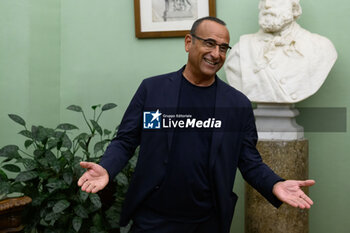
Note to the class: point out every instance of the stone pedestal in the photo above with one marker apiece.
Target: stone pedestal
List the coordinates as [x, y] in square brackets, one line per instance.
[289, 159]
[277, 122]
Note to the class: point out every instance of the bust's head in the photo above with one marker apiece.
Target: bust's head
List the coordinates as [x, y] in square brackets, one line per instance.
[275, 15]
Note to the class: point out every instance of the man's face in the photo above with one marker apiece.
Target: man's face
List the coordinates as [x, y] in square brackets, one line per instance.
[203, 61]
[274, 15]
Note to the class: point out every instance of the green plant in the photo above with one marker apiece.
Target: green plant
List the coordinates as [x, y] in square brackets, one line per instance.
[48, 172]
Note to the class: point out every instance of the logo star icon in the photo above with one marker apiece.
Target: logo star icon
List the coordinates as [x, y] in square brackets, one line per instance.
[156, 115]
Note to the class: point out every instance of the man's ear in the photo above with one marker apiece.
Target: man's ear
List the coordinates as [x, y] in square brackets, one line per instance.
[188, 42]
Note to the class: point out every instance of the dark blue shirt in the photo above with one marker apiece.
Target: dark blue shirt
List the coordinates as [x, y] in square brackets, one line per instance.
[185, 193]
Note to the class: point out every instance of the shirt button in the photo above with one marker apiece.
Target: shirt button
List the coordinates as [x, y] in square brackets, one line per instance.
[294, 96]
[283, 81]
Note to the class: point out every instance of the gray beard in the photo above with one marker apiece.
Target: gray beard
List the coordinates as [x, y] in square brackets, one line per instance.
[274, 23]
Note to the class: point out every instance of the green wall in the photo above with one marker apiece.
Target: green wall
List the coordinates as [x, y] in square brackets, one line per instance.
[54, 53]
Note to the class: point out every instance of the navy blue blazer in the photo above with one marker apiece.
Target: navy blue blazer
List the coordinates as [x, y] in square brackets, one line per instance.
[232, 147]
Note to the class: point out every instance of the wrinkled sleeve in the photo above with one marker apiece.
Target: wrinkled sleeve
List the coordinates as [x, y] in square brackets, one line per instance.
[253, 169]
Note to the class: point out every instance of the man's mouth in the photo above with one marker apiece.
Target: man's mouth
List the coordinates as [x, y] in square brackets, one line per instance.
[210, 62]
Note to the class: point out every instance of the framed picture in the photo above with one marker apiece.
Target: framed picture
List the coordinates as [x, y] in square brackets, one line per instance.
[169, 18]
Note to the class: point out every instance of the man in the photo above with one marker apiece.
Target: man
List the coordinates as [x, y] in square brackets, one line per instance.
[185, 173]
[282, 62]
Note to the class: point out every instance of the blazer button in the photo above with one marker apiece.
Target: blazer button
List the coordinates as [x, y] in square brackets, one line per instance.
[157, 187]
[165, 161]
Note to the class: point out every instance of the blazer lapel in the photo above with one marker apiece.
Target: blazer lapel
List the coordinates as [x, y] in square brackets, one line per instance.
[173, 90]
[217, 134]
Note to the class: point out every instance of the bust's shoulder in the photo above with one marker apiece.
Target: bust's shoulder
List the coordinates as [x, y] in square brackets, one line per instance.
[310, 37]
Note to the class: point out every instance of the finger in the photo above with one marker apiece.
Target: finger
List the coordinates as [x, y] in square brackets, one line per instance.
[96, 189]
[292, 202]
[297, 203]
[307, 199]
[83, 179]
[87, 165]
[90, 187]
[306, 183]
[303, 204]
[85, 186]
[302, 201]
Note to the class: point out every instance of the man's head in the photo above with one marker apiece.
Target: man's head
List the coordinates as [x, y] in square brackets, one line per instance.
[275, 15]
[206, 45]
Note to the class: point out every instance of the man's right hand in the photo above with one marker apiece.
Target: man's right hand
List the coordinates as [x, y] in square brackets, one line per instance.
[94, 179]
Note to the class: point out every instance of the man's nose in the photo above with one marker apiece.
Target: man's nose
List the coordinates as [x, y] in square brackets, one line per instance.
[215, 51]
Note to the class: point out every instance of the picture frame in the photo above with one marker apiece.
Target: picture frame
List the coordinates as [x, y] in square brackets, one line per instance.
[169, 18]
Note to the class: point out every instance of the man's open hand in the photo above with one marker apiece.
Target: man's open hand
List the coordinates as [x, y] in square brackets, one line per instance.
[289, 192]
[94, 179]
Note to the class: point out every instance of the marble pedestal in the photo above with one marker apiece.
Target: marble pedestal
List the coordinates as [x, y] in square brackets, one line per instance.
[289, 159]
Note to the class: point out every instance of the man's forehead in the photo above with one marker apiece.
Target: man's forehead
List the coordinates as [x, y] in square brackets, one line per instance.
[209, 27]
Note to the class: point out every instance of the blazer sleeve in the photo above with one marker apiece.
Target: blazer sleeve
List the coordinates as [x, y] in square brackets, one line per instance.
[253, 169]
[123, 146]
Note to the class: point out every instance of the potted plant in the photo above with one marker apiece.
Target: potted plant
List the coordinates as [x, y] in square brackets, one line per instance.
[47, 171]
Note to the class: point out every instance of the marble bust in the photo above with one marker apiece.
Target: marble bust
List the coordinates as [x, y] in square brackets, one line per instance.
[282, 62]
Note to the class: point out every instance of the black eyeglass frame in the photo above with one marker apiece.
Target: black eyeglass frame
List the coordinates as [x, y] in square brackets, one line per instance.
[227, 47]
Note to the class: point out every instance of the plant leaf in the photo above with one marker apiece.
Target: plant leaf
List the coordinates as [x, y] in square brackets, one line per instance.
[57, 184]
[107, 132]
[9, 151]
[82, 136]
[16, 188]
[52, 160]
[68, 176]
[122, 179]
[66, 142]
[4, 188]
[96, 126]
[67, 154]
[29, 164]
[97, 221]
[77, 221]
[17, 119]
[27, 143]
[66, 126]
[26, 133]
[60, 206]
[95, 106]
[83, 195]
[53, 217]
[3, 175]
[11, 168]
[41, 133]
[100, 145]
[95, 200]
[26, 175]
[108, 106]
[75, 108]
[81, 211]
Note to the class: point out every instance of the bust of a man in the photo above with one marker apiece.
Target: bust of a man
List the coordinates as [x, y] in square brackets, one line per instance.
[282, 62]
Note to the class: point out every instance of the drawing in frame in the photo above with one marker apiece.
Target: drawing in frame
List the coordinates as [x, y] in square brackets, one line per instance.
[169, 18]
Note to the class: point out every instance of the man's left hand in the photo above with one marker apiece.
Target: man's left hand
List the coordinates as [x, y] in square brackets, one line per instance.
[289, 192]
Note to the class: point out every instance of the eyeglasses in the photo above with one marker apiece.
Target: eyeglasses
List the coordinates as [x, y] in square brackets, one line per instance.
[211, 44]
